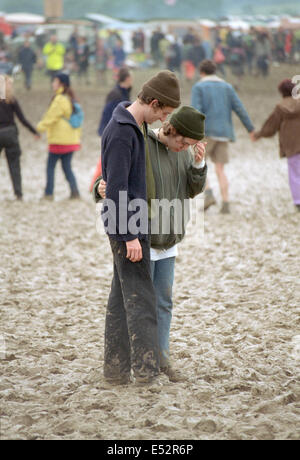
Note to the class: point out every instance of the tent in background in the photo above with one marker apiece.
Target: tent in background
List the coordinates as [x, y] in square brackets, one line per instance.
[24, 18]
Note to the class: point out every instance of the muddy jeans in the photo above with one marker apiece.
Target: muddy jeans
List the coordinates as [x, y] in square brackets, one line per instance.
[131, 337]
[10, 143]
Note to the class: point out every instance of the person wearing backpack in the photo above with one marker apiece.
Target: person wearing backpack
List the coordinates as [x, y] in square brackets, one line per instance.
[62, 122]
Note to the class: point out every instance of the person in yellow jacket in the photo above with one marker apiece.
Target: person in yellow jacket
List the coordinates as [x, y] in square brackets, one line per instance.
[54, 53]
[63, 139]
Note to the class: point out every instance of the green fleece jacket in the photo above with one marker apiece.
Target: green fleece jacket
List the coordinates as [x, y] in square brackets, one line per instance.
[175, 179]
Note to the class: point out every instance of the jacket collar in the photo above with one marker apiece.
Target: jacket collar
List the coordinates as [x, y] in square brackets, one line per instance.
[59, 91]
[121, 115]
[211, 78]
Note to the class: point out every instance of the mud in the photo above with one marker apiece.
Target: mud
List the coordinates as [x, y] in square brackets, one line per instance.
[235, 330]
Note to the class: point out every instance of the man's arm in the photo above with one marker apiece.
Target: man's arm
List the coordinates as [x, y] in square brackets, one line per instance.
[238, 107]
[134, 249]
[116, 164]
[196, 99]
[117, 154]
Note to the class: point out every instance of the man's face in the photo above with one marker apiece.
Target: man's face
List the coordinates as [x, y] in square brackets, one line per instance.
[128, 82]
[154, 112]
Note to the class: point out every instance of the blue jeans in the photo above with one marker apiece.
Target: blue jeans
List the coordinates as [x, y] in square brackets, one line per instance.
[66, 159]
[162, 273]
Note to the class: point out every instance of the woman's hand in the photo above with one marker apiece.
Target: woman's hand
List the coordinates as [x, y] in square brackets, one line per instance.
[199, 150]
[102, 189]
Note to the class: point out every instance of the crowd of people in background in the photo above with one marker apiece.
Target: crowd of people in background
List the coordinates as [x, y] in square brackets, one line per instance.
[249, 52]
[74, 56]
[242, 52]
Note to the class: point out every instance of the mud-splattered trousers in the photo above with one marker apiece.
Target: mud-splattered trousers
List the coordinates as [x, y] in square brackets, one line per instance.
[131, 337]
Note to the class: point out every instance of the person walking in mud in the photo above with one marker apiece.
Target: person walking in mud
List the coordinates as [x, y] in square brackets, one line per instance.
[131, 335]
[82, 58]
[175, 147]
[27, 59]
[63, 139]
[9, 136]
[120, 92]
[217, 99]
[285, 120]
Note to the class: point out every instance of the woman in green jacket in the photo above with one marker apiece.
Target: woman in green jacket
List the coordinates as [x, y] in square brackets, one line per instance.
[179, 172]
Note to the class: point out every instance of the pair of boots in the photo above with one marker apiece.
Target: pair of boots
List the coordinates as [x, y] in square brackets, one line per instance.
[209, 200]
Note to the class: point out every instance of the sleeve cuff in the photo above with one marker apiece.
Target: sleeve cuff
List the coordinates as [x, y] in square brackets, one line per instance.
[199, 165]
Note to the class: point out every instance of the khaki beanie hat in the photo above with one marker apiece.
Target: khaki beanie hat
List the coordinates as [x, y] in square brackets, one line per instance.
[189, 122]
[164, 87]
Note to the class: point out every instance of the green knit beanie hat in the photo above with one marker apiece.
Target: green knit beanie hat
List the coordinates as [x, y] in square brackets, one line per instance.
[164, 87]
[189, 122]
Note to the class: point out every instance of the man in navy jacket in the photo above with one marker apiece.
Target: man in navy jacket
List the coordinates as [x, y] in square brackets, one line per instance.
[131, 339]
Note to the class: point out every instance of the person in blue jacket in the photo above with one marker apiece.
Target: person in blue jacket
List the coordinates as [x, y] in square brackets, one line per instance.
[121, 92]
[119, 55]
[27, 59]
[217, 99]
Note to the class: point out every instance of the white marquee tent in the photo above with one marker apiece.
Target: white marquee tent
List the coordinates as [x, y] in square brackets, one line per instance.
[24, 18]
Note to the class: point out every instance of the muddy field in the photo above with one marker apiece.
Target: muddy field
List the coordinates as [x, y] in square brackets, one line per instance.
[235, 330]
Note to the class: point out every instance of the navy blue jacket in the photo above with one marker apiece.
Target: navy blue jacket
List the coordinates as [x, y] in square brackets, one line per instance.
[114, 97]
[124, 170]
[27, 58]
